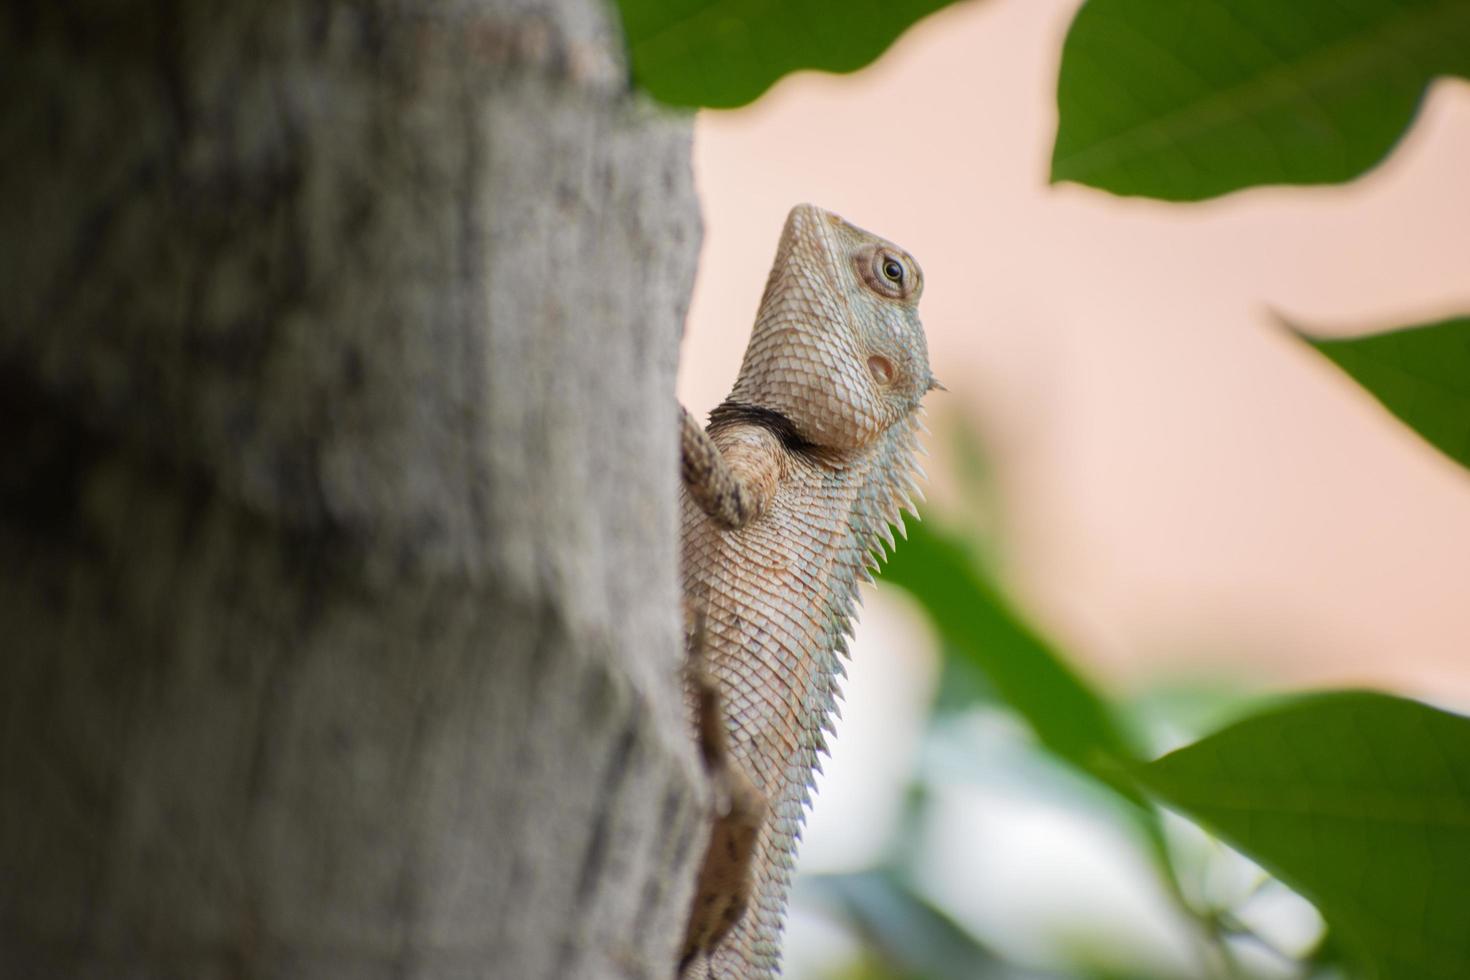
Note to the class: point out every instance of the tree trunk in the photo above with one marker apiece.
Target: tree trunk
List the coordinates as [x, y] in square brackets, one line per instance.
[340, 613]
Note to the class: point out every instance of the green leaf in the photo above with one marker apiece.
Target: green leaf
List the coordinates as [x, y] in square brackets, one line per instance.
[1359, 801]
[1420, 374]
[1188, 99]
[724, 53]
[913, 937]
[972, 616]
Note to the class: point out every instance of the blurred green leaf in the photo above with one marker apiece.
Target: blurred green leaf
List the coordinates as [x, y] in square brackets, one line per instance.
[1359, 801]
[912, 936]
[724, 53]
[963, 685]
[973, 618]
[1188, 100]
[1328, 958]
[864, 968]
[1180, 709]
[1421, 374]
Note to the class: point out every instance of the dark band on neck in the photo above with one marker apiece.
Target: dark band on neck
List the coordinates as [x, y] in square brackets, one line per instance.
[731, 413]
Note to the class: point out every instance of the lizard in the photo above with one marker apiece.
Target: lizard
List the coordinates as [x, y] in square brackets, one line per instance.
[787, 501]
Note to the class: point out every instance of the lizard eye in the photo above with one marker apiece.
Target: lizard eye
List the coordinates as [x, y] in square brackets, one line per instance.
[888, 272]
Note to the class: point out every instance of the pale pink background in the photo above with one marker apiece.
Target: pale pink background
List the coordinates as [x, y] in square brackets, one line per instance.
[1184, 487]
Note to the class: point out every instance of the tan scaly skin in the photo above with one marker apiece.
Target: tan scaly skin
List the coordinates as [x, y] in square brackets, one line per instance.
[788, 500]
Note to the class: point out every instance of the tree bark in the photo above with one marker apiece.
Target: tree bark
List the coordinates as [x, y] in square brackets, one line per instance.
[337, 492]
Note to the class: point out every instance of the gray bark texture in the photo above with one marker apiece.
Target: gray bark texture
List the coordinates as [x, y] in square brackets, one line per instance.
[339, 618]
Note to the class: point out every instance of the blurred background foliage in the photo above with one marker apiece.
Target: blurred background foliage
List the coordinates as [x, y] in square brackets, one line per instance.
[1355, 801]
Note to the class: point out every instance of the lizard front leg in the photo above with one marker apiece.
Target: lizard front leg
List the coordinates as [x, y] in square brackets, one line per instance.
[735, 485]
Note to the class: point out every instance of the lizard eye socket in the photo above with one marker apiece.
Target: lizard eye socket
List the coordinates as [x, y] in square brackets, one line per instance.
[888, 273]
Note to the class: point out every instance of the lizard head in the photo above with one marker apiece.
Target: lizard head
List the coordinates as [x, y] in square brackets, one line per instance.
[837, 347]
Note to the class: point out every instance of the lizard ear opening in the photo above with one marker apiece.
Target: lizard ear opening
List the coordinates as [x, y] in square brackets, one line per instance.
[881, 368]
